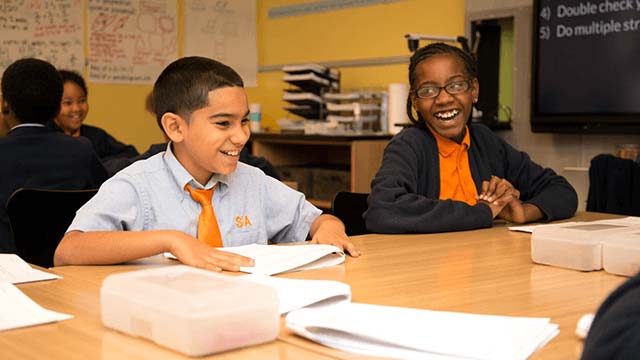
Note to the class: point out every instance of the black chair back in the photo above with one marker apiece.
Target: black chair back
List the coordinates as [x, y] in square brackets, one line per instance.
[614, 185]
[40, 217]
[349, 207]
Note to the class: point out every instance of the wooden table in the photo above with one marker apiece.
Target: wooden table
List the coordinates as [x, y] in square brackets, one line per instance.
[84, 337]
[486, 271]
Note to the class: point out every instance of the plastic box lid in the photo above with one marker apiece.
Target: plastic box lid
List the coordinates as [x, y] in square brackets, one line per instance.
[194, 311]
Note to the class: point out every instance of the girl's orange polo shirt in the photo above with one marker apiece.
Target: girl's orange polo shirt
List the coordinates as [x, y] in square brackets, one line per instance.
[456, 182]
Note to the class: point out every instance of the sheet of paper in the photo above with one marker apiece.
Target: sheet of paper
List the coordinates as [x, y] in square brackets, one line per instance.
[530, 228]
[629, 220]
[18, 310]
[295, 294]
[413, 333]
[15, 270]
[270, 259]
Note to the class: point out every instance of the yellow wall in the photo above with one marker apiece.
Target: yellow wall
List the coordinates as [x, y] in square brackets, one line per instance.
[357, 33]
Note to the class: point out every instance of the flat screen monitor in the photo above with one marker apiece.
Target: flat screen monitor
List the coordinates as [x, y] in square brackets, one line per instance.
[586, 66]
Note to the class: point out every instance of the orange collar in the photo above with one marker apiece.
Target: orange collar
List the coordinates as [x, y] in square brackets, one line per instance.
[446, 147]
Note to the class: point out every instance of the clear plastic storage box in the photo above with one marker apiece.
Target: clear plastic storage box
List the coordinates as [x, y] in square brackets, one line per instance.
[196, 312]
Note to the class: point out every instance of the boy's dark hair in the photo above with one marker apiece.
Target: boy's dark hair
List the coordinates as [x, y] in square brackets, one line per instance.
[183, 87]
[74, 77]
[431, 50]
[33, 90]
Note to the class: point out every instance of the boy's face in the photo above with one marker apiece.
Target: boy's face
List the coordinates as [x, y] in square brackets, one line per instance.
[446, 114]
[212, 140]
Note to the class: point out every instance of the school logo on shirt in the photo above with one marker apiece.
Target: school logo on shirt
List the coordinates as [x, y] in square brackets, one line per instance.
[242, 222]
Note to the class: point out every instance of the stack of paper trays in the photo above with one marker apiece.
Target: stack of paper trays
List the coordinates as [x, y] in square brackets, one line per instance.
[302, 98]
[332, 75]
[351, 106]
[354, 109]
[309, 82]
[610, 244]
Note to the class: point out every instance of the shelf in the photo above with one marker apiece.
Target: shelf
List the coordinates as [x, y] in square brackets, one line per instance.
[333, 163]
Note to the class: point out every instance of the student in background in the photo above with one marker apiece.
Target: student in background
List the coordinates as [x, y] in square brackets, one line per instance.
[202, 107]
[31, 155]
[443, 174]
[74, 110]
[615, 330]
[117, 164]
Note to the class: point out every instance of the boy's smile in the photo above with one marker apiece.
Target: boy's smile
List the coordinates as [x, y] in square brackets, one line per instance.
[446, 114]
[210, 143]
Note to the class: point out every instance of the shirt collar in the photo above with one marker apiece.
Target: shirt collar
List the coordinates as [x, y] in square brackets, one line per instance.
[446, 147]
[26, 125]
[182, 177]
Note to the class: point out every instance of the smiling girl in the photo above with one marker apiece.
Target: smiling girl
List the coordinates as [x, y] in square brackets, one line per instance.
[443, 174]
[73, 110]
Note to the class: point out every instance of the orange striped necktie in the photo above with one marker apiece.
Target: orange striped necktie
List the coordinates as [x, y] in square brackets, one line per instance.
[208, 230]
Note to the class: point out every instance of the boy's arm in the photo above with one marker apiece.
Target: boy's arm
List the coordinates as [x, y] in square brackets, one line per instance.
[112, 247]
[328, 229]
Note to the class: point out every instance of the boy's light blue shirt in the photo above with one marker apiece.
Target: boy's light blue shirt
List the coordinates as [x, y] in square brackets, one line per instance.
[250, 207]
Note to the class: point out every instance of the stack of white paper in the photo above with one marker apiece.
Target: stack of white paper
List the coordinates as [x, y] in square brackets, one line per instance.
[15, 270]
[270, 260]
[295, 294]
[18, 310]
[421, 334]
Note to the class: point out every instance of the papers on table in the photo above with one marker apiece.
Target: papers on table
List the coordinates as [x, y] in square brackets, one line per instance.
[629, 220]
[18, 310]
[270, 260]
[273, 259]
[421, 334]
[529, 228]
[295, 294]
[15, 270]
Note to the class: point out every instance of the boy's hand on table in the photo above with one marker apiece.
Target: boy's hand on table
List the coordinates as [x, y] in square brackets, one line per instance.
[332, 232]
[192, 252]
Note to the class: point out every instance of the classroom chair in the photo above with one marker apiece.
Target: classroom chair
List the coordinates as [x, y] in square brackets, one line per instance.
[614, 185]
[40, 217]
[349, 207]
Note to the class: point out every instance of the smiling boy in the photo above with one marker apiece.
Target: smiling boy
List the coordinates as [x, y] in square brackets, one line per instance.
[148, 208]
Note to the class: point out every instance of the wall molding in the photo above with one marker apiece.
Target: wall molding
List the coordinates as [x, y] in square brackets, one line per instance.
[381, 61]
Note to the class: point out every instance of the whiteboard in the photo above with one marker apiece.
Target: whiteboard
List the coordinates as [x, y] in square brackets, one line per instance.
[224, 30]
[47, 30]
[131, 41]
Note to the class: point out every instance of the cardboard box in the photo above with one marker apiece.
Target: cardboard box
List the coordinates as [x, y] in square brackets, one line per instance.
[301, 175]
[327, 182]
